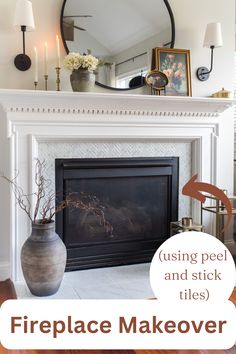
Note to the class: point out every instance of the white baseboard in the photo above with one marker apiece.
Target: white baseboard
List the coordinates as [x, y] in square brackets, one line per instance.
[4, 270]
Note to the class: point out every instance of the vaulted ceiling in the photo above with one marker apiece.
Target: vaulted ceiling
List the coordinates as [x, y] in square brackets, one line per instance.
[118, 25]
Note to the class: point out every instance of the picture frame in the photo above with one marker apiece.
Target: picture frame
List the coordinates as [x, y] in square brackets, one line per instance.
[157, 81]
[175, 64]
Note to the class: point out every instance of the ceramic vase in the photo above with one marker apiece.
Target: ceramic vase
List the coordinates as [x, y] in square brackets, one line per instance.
[82, 80]
[43, 260]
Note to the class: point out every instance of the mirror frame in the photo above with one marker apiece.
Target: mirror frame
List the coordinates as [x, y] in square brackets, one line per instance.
[172, 42]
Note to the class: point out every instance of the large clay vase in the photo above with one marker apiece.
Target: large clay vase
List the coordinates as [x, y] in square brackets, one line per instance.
[43, 260]
[82, 80]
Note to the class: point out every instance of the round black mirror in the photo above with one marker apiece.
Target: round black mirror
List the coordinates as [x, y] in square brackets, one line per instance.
[120, 33]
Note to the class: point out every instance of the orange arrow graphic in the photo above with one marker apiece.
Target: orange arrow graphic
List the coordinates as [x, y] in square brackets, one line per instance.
[192, 189]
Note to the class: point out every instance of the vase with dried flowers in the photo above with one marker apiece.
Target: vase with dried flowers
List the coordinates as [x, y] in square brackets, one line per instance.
[43, 255]
[82, 66]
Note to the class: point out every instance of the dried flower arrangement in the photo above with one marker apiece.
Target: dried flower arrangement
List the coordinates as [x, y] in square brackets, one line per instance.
[44, 209]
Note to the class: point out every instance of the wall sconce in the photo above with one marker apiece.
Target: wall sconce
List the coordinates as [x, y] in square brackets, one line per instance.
[212, 40]
[23, 21]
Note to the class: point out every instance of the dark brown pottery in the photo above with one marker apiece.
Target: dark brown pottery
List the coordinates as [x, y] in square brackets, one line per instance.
[43, 260]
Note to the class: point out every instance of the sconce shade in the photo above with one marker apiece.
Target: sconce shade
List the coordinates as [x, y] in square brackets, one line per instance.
[213, 35]
[24, 15]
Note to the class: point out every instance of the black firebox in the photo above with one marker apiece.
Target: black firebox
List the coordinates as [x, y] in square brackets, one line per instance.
[139, 197]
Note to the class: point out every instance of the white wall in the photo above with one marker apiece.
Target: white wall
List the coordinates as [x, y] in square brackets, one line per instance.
[191, 17]
[47, 14]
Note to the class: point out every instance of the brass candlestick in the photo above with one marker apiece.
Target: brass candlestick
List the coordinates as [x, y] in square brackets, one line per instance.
[188, 222]
[35, 85]
[46, 82]
[58, 81]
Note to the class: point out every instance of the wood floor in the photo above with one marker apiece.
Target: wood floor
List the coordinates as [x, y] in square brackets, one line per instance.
[7, 292]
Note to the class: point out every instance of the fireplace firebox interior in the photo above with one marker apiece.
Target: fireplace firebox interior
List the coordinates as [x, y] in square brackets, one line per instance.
[140, 199]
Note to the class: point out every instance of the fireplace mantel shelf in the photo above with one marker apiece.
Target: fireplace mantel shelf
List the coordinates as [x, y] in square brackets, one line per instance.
[111, 104]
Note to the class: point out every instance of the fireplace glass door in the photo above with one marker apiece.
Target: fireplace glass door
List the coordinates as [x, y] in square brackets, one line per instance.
[139, 198]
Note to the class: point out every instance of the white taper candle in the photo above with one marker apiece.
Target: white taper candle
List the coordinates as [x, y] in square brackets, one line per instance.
[45, 58]
[36, 64]
[58, 52]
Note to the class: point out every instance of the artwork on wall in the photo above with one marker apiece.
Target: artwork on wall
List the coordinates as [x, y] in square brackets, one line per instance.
[175, 64]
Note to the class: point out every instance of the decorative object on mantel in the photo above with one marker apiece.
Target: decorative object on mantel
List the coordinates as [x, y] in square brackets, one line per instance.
[23, 21]
[175, 64]
[46, 66]
[157, 80]
[185, 224]
[82, 67]
[58, 80]
[43, 255]
[36, 68]
[213, 39]
[58, 67]
[223, 94]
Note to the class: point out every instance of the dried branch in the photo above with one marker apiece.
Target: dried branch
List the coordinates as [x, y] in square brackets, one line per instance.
[42, 184]
[22, 199]
[45, 200]
[88, 203]
[48, 205]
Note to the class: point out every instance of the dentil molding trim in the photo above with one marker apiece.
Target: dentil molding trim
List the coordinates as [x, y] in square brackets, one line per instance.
[110, 104]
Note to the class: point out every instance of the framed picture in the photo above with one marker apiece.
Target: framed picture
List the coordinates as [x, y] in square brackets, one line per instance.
[175, 64]
[156, 79]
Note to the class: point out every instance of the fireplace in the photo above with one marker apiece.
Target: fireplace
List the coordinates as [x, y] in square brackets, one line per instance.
[50, 125]
[140, 199]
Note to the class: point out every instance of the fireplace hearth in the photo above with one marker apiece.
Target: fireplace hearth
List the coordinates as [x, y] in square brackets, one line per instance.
[140, 199]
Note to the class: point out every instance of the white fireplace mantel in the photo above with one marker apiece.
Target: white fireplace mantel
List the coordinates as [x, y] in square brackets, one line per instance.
[28, 118]
[111, 104]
